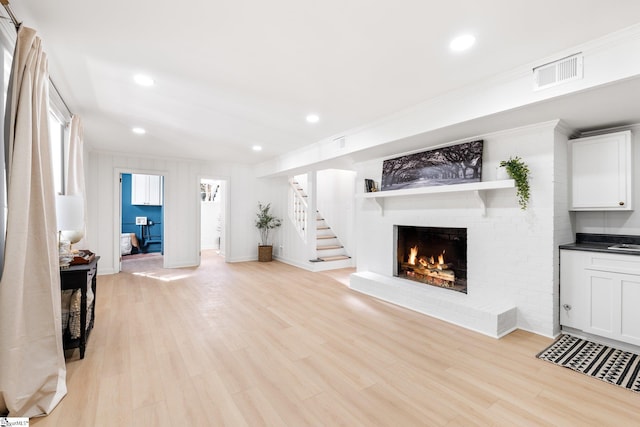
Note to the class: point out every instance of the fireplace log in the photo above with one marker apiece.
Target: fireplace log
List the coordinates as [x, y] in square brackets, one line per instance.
[407, 266]
[443, 274]
[448, 275]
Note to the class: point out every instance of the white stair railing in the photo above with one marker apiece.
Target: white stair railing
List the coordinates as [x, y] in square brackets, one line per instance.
[298, 210]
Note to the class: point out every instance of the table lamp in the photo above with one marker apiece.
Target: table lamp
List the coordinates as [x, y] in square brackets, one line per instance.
[70, 217]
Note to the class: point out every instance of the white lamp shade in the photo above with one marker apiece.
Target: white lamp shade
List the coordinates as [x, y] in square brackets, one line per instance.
[70, 213]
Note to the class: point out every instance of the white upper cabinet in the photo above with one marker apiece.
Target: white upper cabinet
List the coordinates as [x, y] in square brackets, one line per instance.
[146, 190]
[600, 168]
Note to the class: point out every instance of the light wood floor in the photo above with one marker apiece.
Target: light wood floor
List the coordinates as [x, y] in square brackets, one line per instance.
[255, 344]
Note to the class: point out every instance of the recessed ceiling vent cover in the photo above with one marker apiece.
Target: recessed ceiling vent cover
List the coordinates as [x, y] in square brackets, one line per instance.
[558, 72]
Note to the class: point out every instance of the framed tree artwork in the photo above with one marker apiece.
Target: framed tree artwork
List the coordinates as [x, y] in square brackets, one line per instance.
[455, 164]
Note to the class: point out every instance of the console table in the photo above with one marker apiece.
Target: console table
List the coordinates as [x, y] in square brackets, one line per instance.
[82, 277]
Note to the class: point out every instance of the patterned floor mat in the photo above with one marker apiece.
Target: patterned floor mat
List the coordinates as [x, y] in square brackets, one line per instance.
[608, 364]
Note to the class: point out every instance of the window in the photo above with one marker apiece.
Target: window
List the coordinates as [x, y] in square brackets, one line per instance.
[6, 57]
[58, 113]
[56, 135]
[59, 119]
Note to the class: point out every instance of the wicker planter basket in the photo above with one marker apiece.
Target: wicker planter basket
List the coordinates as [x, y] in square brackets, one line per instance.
[265, 253]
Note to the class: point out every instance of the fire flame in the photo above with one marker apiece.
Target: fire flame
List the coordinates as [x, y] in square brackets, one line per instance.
[429, 262]
[413, 254]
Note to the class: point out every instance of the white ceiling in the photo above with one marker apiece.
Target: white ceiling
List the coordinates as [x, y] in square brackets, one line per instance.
[234, 73]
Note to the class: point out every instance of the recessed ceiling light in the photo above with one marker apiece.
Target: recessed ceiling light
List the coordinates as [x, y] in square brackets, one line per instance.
[138, 131]
[462, 42]
[143, 80]
[256, 148]
[313, 118]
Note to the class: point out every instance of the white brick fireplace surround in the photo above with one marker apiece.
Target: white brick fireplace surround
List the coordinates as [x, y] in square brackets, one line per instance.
[493, 318]
[512, 255]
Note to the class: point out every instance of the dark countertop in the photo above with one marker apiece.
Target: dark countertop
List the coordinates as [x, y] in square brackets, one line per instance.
[601, 242]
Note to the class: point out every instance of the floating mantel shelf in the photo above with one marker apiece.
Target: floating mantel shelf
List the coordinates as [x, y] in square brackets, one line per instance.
[478, 188]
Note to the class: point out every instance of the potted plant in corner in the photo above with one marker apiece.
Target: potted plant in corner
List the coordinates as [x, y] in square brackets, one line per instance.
[519, 171]
[265, 222]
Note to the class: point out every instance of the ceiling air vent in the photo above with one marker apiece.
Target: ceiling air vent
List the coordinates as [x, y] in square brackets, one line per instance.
[558, 72]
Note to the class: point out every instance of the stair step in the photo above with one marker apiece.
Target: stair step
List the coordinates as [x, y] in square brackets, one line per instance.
[324, 248]
[325, 237]
[323, 228]
[335, 258]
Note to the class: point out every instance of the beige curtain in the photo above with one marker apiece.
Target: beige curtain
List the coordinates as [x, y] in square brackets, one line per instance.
[32, 366]
[75, 185]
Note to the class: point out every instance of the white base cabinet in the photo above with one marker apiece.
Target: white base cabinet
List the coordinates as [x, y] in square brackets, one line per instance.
[600, 294]
[572, 295]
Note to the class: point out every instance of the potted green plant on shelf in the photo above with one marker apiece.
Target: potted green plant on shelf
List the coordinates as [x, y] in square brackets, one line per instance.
[265, 222]
[519, 171]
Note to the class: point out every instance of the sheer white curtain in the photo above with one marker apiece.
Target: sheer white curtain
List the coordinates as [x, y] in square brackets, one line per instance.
[32, 366]
[75, 185]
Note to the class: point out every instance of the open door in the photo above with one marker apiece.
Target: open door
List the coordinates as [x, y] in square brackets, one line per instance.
[213, 211]
[141, 215]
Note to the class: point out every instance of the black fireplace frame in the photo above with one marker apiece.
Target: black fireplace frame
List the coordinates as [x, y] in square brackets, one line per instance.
[453, 239]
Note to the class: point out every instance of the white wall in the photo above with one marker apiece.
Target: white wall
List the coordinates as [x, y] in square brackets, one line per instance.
[271, 191]
[616, 222]
[336, 202]
[182, 202]
[564, 230]
[510, 253]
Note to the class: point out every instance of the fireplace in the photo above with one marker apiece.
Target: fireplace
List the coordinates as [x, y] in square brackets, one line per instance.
[434, 256]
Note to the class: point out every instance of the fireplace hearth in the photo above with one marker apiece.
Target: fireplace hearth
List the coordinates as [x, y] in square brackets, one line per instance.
[435, 256]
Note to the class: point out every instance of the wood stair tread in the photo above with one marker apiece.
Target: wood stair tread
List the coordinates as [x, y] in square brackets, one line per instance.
[324, 248]
[323, 228]
[325, 237]
[335, 258]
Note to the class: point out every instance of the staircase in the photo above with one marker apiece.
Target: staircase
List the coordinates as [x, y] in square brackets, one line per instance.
[298, 209]
[330, 253]
[328, 246]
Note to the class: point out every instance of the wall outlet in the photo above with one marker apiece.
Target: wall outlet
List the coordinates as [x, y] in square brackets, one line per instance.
[141, 220]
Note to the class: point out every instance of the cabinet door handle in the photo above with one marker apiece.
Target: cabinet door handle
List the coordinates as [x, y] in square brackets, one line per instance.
[566, 307]
[621, 203]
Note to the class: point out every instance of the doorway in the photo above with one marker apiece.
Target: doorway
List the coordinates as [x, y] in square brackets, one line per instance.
[141, 220]
[213, 193]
